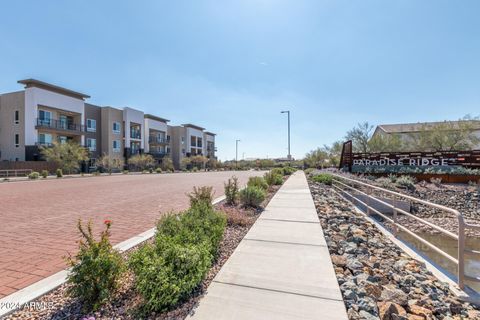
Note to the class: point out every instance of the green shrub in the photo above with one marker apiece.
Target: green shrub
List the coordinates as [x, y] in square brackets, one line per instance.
[308, 171]
[96, 173]
[231, 191]
[158, 170]
[278, 171]
[252, 196]
[288, 171]
[144, 171]
[33, 175]
[324, 178]
[257, 182]
[150, 170]
[44, 174]
[392, 178]
[125, 172]
[174, 265]
[95, 269]
[194, 169]
[405, 182]
[273, 178]
[59, 173]
[385, 183]
[201, 195]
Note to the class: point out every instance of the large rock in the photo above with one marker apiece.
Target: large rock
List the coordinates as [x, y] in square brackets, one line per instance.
[391, 294]
[420, 311]
[339, 261]
[386, 310]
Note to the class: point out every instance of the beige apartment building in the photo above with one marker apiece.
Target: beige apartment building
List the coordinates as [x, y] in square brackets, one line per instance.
[44, 113]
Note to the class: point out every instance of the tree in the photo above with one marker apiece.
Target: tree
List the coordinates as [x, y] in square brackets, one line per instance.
[317, 158]
[66, 155]
[198, 161]
[185, 163]
[167, 164]
[360, 136]
[334, 152]
[109, 163]
[447, 136]
[386, 143]
[142, 161]
[212, 164]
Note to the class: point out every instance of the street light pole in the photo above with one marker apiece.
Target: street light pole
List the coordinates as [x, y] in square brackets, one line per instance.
[236, 153]
[289, 156]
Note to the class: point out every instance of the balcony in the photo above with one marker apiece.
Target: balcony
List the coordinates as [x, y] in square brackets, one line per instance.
[135, 134]
[57, 125]
[211, 149]
[158, 140]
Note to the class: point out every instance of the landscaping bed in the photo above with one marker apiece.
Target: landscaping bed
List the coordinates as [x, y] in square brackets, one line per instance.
[377, 279]
[126, 302]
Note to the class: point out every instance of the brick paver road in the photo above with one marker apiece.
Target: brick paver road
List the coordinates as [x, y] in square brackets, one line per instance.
[38, 218]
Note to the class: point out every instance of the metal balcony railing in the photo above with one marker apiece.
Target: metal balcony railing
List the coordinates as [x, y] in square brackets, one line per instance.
[159, 155]
[159, 140]
[353, 188]
[59, 125]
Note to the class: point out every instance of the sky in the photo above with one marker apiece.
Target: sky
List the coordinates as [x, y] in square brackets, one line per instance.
[232, 66]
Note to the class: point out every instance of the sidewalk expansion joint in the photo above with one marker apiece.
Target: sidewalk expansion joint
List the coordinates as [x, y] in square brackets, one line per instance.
[287, 242]
[276, 290]
[287, 220]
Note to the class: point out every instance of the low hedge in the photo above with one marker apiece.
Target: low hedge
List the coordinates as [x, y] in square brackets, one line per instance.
[252, 196]
[257, 182]
[273, 178]
[324, 178]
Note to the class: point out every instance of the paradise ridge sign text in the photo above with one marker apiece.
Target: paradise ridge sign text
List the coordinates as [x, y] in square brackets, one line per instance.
[403, 162]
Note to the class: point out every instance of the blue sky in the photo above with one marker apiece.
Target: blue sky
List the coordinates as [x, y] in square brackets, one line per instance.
[232, 66]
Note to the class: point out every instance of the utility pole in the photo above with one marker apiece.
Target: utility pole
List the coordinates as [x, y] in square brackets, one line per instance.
[236, 153]
[289, 156]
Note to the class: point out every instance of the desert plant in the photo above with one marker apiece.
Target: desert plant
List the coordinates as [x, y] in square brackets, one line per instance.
[109, 164]
[59, 173]
[406, 182]
[257, 182]
[385, 183]
[324, 178]
[178, 260]
[44, 174]
[66, 155]
[273, 179]
[33, 175]
[231, 191]
[150, 170]
[167, 164]
[436, 181]
[125, 172]
[141, 162]
[95, 269]
[201, 195]
[158, 170]
[252, 196]
[194, 169]
[309, 171]
[288, 171]
[96, 173]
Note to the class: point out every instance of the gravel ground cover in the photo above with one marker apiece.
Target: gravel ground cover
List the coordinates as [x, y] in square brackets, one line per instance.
[124, 304]
[377, 279]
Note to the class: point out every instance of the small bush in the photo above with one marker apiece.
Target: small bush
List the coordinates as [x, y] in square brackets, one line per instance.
[150, 170]
[201, 195]
[257, 182]
[231, 191]
[125, 172]
[324, 178]
[273, 178]
[406, 182]
[59, 173]
[95, 269]
[158, 170]
[144, 171]
[44, 174]
[278, 171]
[252, 196]
[33, 175]
[237, 218]
[288, 171]
[392, 178]
[194, 169]
[385, 183]
[174, 265]
[308, 171]
[96, 173]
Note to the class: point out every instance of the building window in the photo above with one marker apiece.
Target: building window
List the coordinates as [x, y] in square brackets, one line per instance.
[116, 127]
[17, 117]
[92, 144]
[193, 141]
[44, 117]
[135, 131]
[62, 139]
[199, 142]
[183, 140]
[45, 139]
[91, 125]
[17, 140]
[116, 145]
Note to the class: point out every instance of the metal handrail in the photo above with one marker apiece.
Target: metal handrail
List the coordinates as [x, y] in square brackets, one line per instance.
[460, 261]
[16, 172]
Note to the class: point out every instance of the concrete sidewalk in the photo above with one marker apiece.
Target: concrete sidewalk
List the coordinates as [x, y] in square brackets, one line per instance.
[281, 269]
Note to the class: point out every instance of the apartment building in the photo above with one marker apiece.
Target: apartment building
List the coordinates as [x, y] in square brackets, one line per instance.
[44, 113]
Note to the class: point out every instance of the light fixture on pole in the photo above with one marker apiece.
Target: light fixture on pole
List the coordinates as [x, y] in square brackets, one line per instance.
[289, 156]
[236, 153]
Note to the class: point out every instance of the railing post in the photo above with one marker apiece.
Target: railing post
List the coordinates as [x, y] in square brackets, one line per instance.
[369, 192]
[395, 217]
[461, 252]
